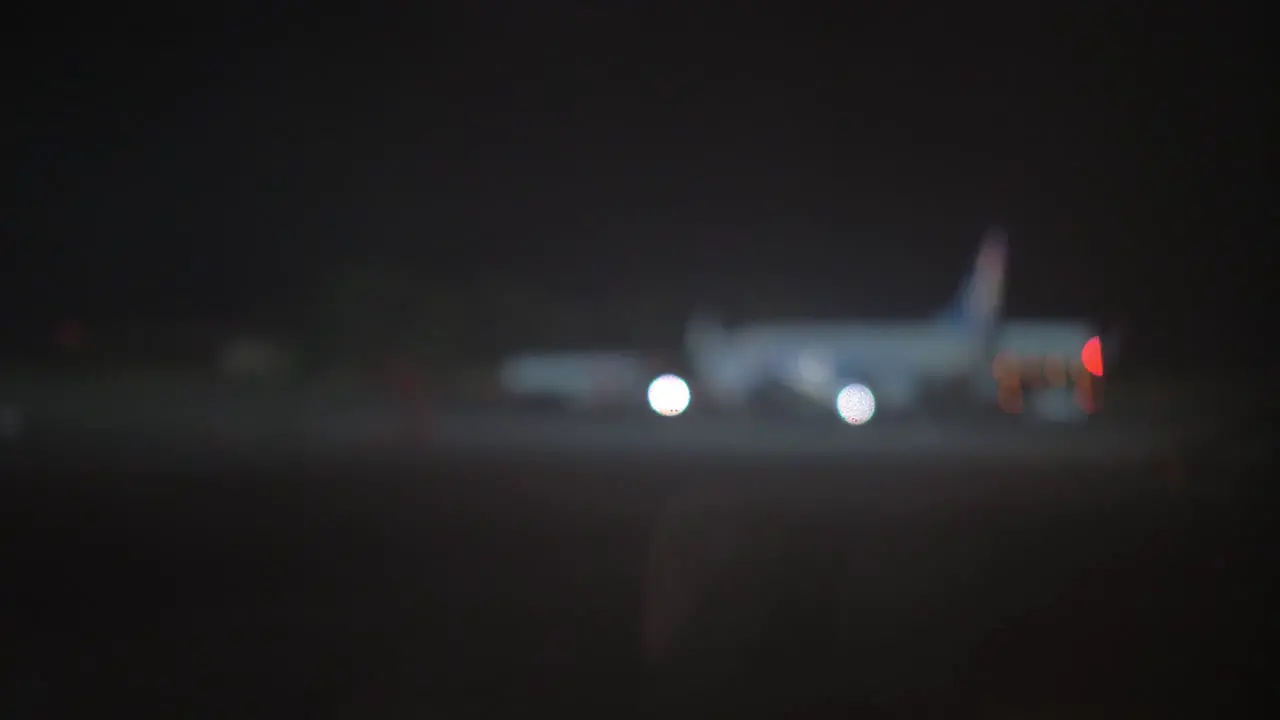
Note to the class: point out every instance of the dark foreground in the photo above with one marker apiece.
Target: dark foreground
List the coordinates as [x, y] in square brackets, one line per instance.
[463, 588]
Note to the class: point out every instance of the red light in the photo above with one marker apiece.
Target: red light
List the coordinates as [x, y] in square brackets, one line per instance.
[1091, 356]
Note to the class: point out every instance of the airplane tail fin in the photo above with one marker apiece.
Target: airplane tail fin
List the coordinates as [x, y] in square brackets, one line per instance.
[980, 300]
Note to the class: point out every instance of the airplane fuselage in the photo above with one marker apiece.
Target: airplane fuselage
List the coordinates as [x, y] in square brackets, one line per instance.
[816, 359]
[923, 347]
[898, 360]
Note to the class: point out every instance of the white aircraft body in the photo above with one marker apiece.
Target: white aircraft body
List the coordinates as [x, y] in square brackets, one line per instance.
[817, 360]
[968, 346]
[898, 361]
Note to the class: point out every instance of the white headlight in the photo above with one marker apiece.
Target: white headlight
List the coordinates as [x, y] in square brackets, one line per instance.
[669, 395]
[856, 404]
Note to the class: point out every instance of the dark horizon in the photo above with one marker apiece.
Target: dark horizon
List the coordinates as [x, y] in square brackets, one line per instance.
[619, 158]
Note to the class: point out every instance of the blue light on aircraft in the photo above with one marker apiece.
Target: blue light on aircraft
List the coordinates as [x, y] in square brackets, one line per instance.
[856, 404]
[669, 395]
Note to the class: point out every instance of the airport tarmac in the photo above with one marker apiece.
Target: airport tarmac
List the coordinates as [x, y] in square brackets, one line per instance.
[172, 569]
[814, 438]
[479, 435]
[176, 548]
[146, 421]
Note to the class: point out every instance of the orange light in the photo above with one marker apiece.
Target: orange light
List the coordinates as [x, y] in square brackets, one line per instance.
[1091, 356]
[1009, 397]
[1084, 395]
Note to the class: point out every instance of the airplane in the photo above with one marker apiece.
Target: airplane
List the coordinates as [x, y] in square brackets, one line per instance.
[898, 361]
[969, 345]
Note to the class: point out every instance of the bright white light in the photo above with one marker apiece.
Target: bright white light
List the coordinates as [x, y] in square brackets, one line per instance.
[668, 395]
[856, 404]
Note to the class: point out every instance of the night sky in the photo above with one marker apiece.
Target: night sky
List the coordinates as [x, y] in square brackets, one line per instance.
[200, 168]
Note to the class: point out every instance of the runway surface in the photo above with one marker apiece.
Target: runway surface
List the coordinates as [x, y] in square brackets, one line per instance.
[816, 439]
[185, 554]
[157, 422]
[344, 585]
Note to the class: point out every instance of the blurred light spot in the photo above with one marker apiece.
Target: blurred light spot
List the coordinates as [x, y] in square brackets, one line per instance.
[1091, 356]
[856, 404]
[668, 395]
[1004, 364]
[1084, 394]
[1009, 397]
